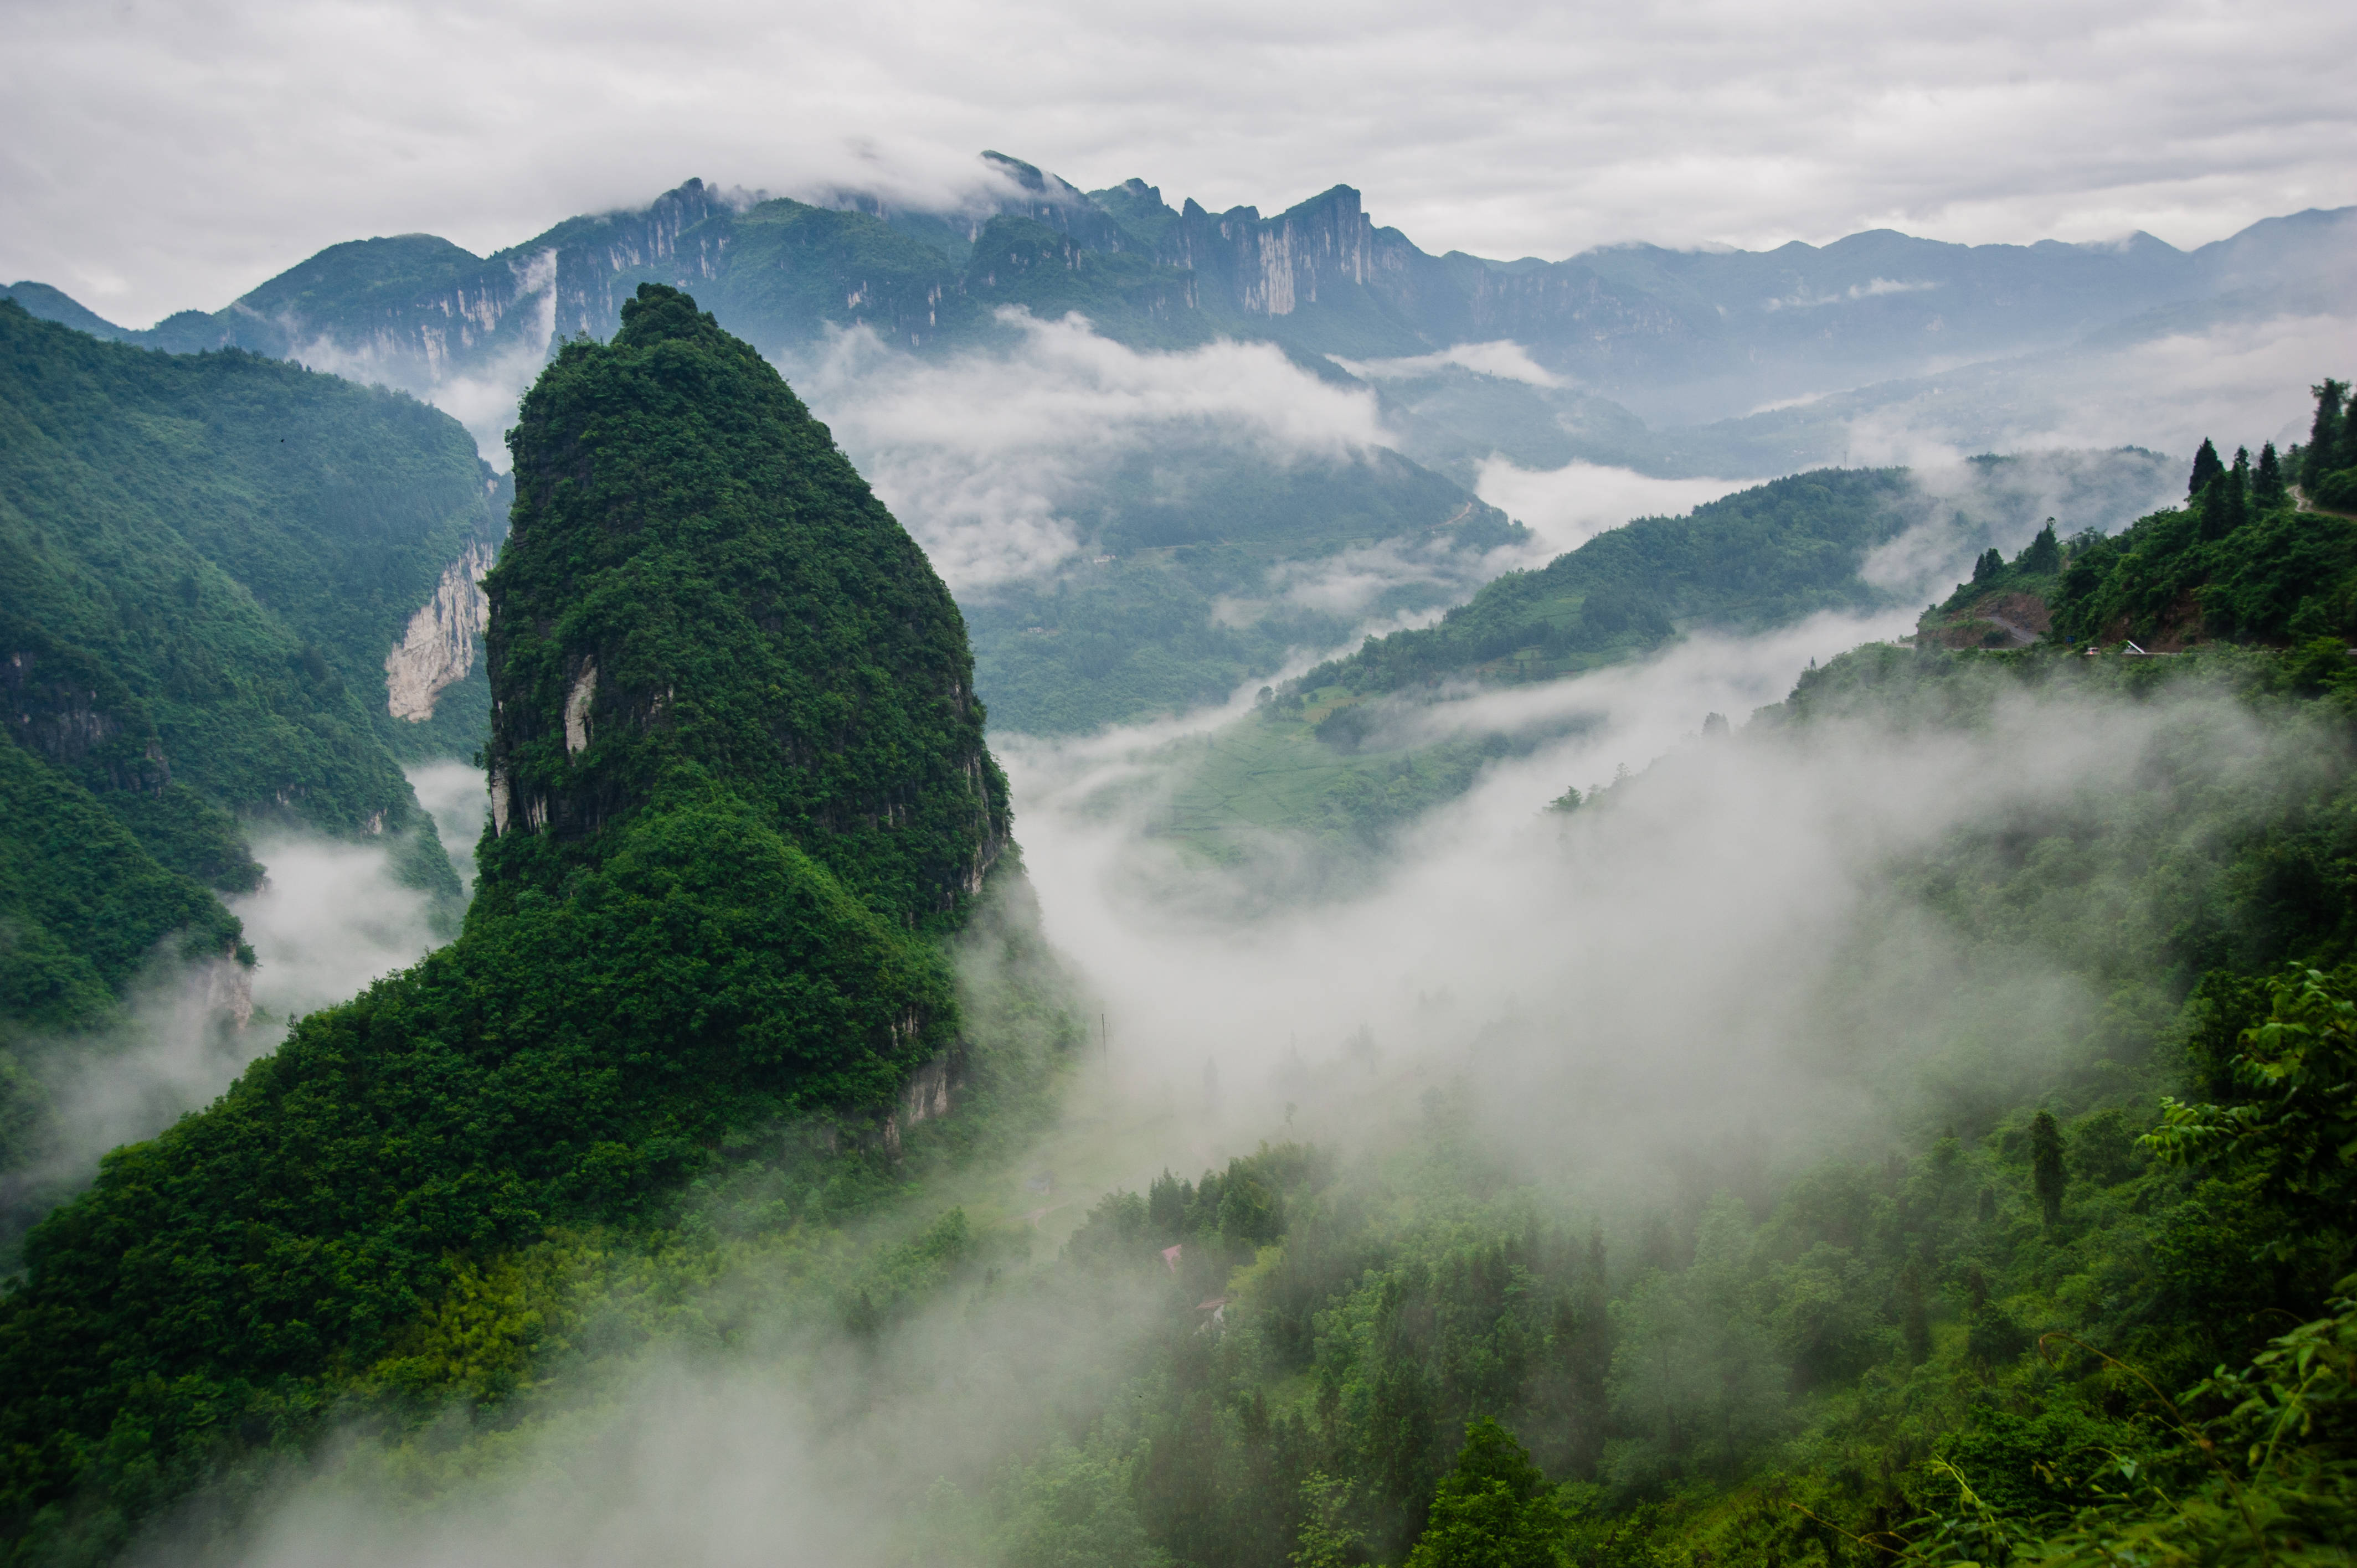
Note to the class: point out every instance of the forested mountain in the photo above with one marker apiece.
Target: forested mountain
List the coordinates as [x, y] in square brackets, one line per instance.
[1336, 751]
[1684, 333]
[1190, 599]
[741, 800]
[1610, 334]
[205, 563]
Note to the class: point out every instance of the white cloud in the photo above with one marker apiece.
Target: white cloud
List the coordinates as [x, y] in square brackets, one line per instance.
[2242, 382]
[1872, 288]
[985, 456]
[1506, 360]
[329, 918]
[1570, 505]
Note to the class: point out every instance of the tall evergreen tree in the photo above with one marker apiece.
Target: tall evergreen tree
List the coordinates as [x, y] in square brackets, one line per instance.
[2225, 505]
[1989, 564]
[2326, 435]
[2267, 491]
[2044, 555]
[2206, 467]
[2046, 1166]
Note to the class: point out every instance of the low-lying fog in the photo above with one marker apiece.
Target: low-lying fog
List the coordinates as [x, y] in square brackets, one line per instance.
[1703, 968]
[1707, 959]
[329, 917]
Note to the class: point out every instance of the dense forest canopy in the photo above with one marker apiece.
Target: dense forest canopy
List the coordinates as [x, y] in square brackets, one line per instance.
[714, 901]
[204, 561]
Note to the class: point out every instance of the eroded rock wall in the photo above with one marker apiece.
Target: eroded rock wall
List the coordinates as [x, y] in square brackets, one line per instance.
[438, 649]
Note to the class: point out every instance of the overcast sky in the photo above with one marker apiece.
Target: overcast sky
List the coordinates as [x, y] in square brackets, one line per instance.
[155, 155]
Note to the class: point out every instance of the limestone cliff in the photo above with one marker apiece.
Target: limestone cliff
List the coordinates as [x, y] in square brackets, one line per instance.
[438, 649]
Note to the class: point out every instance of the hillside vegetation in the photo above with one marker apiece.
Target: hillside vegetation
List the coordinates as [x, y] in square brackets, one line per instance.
[1193, 597]
[2091, 1301]
[1322, 754]
[2261, 550]
[204, 561]
[714, 901]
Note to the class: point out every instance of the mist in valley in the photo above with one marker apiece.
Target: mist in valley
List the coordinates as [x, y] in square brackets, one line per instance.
[1704, 980]
[1594, 846]
[331, 917]
[1660, 992]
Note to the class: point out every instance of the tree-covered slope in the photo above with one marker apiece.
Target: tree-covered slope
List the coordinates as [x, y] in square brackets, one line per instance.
[1759, 558]
[243, 542]
[713, 898]
[138, 480]
[698, 583]
[1324, 755]
[1193, 594]
[2261, 550]
[204, 562]
[2079, 1292]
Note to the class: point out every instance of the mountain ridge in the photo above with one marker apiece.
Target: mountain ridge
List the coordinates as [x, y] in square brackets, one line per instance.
[1701, 330]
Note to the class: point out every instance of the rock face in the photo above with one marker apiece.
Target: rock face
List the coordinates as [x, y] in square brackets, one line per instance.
[438, 649]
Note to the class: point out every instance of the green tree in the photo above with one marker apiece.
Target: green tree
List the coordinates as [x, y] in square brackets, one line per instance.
[2206, 469]
[2267, 491]
[1494, 1509]
[1326, 1539]
[2044, 555]
[2325, 433]
[1914, 1320]
[2292, 1121]
[2046, 1166]
[2225, 505]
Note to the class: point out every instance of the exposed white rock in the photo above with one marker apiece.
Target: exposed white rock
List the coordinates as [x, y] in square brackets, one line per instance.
[223, 987]
[576, 707]
[438, 651]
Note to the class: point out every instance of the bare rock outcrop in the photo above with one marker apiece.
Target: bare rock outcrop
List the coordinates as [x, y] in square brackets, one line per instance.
[438, 649]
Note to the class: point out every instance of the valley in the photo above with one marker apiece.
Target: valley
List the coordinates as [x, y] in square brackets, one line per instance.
[1055, 944]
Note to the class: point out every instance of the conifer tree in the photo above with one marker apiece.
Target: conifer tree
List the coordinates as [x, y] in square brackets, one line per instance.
[1989, 564]
[2046, 1166]
[2267, 491]
[2225, 505]
[2044, 555]
[2327, 437]
[2206, 467]
[1165, 1204]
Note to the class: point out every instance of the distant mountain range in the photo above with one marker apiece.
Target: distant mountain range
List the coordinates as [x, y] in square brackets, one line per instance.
[1184, 579]
[1675, 336]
